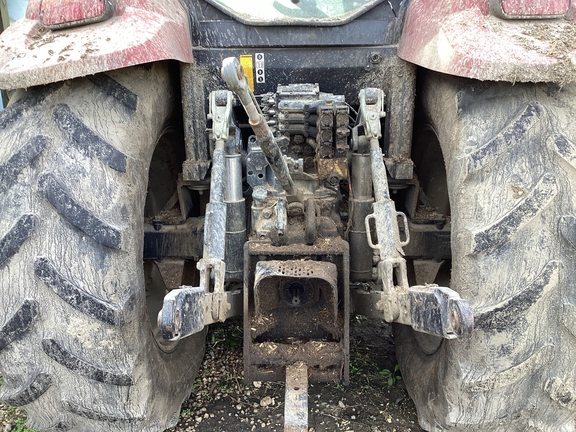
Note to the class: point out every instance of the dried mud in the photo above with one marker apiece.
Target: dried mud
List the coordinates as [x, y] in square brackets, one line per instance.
[221, 401]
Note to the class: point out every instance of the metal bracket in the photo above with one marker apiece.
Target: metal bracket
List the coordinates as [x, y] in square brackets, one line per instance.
[439, 311]
[212, 274]
[371, 111]
[187, 310]
[221, 103]
[430, 309]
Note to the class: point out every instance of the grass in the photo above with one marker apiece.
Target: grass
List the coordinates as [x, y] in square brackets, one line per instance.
[229, 335]
[21, 426]
[18, 424]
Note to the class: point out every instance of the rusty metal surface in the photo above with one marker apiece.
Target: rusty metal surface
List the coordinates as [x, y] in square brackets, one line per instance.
[465, 39]
[330, 167]
[140, 31]
[274, 278]
[316, 354]
[296, 398]
[326, 352]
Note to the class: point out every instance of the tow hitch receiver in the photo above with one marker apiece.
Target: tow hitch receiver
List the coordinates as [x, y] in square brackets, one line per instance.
[296, 326]
[296, 308]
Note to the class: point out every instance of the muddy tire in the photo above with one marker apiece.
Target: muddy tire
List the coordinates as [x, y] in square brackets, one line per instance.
[510, 154]
[77, 348]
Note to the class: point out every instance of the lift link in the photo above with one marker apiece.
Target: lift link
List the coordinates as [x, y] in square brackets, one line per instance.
[188, 309]
[234, 76]
[429, 309]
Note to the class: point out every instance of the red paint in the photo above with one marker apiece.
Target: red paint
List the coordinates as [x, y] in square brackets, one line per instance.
[53, 12]
[535, 7]
[464, 39]
[141, 31]
[33, 9]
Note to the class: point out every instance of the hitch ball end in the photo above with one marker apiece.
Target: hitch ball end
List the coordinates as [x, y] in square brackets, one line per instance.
[440, 311]
[182, 313]
[233, 74]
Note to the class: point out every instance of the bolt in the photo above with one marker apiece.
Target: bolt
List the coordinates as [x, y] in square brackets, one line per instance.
[372, 116]
[333, 179]
[298, 139]
[267, 213]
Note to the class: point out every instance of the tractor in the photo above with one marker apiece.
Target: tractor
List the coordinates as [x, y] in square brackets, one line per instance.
[293, 162]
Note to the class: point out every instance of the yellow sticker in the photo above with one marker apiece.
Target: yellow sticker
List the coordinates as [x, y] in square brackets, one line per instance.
[248, 66]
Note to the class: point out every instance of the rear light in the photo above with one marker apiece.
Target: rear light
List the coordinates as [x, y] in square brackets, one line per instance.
[523, 9]
[55, 14]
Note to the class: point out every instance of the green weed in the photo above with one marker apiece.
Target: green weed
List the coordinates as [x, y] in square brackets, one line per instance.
[392, 375]
[228, 335]
[21, 426]
[187, 412]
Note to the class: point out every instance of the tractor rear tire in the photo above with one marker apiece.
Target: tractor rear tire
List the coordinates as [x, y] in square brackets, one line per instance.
[510, 155]
[77, 346]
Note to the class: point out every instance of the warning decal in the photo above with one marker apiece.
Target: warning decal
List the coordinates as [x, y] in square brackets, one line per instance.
[246, 63]
[260, 70]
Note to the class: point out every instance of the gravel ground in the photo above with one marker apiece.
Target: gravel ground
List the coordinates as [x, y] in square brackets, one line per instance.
[375, 400]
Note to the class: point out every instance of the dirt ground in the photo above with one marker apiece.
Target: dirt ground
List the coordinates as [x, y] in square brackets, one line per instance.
[375, 400]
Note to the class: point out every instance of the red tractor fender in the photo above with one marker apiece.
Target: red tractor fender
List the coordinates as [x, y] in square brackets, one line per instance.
[141, 31]
[463, 38]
